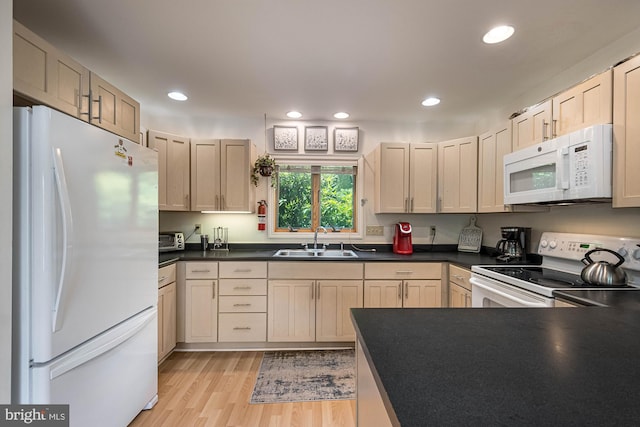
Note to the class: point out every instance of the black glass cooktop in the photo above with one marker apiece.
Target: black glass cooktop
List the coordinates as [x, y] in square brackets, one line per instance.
[545, 277]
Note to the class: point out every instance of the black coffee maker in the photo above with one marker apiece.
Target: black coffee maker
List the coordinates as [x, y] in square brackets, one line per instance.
[514, 244]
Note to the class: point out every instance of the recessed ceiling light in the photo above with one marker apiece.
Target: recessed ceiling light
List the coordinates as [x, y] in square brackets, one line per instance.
[294, 114]
[431, 101]
[341, 115]
[498, 34]
[178, 96]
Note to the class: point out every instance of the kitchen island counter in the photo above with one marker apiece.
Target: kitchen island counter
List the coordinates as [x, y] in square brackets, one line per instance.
[504, 366]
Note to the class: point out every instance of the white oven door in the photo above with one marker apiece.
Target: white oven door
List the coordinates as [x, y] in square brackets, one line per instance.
[486, 292]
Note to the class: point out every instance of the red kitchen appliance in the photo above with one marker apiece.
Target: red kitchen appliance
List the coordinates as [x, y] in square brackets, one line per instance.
[402, 239]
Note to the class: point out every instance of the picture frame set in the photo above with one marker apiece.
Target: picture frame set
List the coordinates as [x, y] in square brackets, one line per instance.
[316, 138]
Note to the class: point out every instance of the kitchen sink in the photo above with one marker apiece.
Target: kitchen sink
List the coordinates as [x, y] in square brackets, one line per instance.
[315, 253]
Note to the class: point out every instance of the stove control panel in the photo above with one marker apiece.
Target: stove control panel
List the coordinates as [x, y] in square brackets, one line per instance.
[574, 247]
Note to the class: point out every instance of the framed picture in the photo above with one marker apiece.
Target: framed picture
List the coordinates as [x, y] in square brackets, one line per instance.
[316, 138]
[345, 139]
[285, 138]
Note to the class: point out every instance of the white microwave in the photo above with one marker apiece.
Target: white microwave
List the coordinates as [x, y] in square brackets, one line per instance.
[569, 168]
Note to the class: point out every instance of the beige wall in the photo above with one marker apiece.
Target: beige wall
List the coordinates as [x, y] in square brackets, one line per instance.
[6, 101]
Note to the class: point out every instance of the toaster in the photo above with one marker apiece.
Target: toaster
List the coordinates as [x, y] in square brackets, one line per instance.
[170, 241]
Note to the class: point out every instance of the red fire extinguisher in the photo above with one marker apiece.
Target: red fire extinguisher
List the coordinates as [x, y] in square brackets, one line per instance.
[262, 215]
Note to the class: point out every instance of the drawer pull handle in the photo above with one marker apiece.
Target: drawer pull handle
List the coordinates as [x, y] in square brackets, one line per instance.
[241, 287]
[201, 271]
[238, 328]
[242, 270]
[242, 305]
[162, 279]
[404, 271]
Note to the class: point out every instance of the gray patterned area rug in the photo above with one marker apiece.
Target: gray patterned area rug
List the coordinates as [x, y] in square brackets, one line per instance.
[303, 376]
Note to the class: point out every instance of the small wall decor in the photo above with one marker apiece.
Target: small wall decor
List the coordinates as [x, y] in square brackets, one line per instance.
[285, 138]
[316, 138]
[345, 139]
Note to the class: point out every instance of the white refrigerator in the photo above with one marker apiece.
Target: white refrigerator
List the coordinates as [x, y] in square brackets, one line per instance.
[85, 269]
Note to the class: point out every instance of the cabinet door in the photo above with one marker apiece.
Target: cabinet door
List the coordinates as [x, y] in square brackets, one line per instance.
[392, 178]
[201, 313]
[205, 175]
[235, 184]
[532, 126]
[423, 178]
[382, 293]
[166, 319]
[422, 293]
[334, 299]
[458, 175]
[585, 104]
[459, 297]
[626, 134]
[113, 110]
[492, 147]
[291, 310]
[173, 170]
[44, 74]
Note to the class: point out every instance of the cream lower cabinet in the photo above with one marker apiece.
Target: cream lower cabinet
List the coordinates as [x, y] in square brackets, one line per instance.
[304, 308]
[173, 170]
[370, 409]
[201, 302]
[402, 284]
[626, 134]
[459, 287]
[167, 316]
[242, 306]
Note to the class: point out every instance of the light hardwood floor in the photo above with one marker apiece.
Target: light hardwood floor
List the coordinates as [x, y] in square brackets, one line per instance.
[214, 388]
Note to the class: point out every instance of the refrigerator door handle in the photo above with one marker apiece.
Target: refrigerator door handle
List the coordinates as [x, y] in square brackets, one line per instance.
[67, 237]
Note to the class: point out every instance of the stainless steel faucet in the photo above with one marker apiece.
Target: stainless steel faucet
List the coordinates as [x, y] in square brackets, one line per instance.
[315, 236]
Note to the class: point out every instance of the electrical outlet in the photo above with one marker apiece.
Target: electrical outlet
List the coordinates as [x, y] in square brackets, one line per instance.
[432, 231]
[375, 230]
[198, 228]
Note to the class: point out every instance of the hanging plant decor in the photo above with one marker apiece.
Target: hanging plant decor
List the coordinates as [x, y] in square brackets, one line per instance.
[265, 165]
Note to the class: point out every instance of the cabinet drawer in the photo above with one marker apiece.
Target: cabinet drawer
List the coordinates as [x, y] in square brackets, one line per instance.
[201, 270]
[315, 270]
[460, 276]
[243, 286]
[234, 270]
[242, 327]
[242, 304]
[166, 275]
[402, 270]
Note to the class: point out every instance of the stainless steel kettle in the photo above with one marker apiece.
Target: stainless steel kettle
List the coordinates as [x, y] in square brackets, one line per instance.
[603, 273]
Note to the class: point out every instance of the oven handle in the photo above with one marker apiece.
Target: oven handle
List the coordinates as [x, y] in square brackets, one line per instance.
[475, 282]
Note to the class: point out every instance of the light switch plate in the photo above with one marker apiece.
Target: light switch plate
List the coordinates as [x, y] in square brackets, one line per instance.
[375, 230]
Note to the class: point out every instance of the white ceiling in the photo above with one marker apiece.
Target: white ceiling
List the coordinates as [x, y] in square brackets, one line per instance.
[377, 59]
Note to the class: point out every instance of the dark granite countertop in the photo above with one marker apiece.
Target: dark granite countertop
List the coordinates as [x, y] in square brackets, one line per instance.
[621, 298]
[440, 253]
[505, 366]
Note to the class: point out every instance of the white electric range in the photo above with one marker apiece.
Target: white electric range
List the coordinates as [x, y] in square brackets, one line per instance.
[533, 285]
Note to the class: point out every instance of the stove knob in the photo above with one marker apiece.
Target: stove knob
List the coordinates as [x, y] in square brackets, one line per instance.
[552, 244]
[636, 254]
[623, 252]
[543, 243]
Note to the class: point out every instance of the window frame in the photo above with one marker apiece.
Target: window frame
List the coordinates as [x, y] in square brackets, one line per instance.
[356, 233]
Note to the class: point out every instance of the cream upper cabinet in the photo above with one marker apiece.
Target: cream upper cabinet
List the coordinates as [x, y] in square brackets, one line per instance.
[588, 103]
[173, 170]
[405, 178]
[113, 110]
[533, 126]
[492, 146]
[43, 73]
[458, 175]
[626, 134]
[220, 175]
